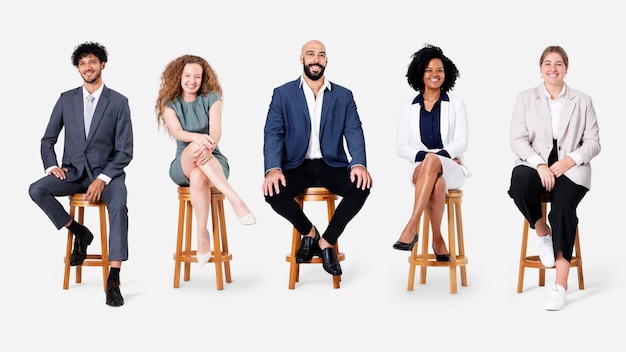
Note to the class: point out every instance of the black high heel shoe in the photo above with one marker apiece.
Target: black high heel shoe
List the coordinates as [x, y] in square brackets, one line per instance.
[441, 257]
[401, 246]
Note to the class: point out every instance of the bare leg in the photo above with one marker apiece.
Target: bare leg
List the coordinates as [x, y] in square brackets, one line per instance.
[437, 205]
[213, 170]
[424, 178]
[541, 227]
[200, 194]
[562, 270]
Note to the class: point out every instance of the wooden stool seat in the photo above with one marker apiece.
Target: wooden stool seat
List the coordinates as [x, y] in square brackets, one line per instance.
[456, 245]
[312, 194]
[533, 261]
[78, 203]
[184, 252]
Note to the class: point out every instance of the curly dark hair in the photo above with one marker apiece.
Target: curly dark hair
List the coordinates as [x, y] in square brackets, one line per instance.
[89, 48]
[417, 67]
[170, 87]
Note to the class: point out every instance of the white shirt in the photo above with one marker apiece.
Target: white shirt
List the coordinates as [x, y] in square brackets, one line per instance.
[314, 105]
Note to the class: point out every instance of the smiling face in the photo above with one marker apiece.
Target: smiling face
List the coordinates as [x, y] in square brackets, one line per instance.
[191, 79]
[553, 69]
[313, 59]
[90, 68]
[434, 75]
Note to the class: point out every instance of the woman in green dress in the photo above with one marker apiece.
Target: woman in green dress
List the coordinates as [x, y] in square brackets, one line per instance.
[189, 108]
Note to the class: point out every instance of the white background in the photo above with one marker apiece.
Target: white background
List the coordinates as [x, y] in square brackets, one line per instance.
[254, 47]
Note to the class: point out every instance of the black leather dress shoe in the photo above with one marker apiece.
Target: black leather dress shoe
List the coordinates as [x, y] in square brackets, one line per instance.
[308, 248]
[330, 261]
[114, 296]
[401, 246]
[80, 248]
[441, 257]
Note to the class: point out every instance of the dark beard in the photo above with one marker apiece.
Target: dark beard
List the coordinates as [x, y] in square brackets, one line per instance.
[311, 76]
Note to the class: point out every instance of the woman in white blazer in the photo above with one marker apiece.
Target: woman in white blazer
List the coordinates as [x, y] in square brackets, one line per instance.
[432, 135]
[554, 134]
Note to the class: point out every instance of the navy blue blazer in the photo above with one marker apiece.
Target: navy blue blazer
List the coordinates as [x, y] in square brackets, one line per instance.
[288, 128]
[109, 147]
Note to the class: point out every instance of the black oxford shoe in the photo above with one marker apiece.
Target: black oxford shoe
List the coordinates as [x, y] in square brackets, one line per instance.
[308, 247]
[330, 261]
[114, 296]
[80, 248]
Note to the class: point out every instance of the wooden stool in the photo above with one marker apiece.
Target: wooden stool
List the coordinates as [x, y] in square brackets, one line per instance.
[79, 202]
[184, 253]
[532, 261]
[456, 245]
[312, 194]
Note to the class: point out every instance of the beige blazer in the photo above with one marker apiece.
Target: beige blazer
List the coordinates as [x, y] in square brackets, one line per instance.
[578, 131]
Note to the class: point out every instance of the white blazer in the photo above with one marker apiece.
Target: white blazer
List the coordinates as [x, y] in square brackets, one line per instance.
[454, 131]
[578, 131]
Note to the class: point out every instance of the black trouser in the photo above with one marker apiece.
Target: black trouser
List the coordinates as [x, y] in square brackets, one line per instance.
[526, 190]
[313, 173]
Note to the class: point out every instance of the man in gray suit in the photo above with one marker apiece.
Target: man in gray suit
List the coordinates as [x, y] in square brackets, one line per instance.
[97, 148]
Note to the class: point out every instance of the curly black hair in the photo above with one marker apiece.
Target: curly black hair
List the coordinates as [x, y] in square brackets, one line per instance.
[88, 48]
[417, 67]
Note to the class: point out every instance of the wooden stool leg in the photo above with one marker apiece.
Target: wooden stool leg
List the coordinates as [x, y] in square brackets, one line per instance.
[579, 266]
[68, 252]
[294, 268]
[179, 242]
[104, 256]
[187, 241]
[79, 268]
[460, 240]
[217, 248]
[330, 210]
[522, 258]
[224, 239]
[452, 247]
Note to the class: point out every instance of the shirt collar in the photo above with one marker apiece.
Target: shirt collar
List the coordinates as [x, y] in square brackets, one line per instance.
[561, 94]
[326, 85]
[96, 94]
[419, 99]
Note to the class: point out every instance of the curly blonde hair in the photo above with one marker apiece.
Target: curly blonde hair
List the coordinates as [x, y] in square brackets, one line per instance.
[170, 87]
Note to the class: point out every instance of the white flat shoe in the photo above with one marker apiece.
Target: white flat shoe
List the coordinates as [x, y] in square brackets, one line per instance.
[248, 219]
[203, 258]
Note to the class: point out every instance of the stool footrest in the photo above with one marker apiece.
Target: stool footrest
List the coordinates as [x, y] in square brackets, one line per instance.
[431, 260]
[316, 260]
[190, 257]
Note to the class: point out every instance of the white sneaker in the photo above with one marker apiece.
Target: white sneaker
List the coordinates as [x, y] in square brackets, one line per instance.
[557, 299]
[546, 252]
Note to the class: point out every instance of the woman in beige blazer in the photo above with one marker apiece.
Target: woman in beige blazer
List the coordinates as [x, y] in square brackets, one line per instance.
[554, 134]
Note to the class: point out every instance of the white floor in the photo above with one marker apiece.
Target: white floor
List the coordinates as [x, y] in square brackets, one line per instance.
[372, 309]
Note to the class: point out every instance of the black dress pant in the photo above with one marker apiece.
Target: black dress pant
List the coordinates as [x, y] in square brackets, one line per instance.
[316, 173]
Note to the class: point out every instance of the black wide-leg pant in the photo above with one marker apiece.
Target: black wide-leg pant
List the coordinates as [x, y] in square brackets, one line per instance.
[526, 190]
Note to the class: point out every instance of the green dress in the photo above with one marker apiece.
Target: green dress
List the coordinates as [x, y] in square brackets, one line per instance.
[194, 117]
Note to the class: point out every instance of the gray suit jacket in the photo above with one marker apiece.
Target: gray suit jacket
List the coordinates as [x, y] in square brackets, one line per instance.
[109, 147]
[531, 130]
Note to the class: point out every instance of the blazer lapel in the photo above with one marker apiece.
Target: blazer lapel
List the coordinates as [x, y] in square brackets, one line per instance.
[444, 122]
[79, 108]
[569, 104]
[99, 110]
[329, 99]
[541, 104]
